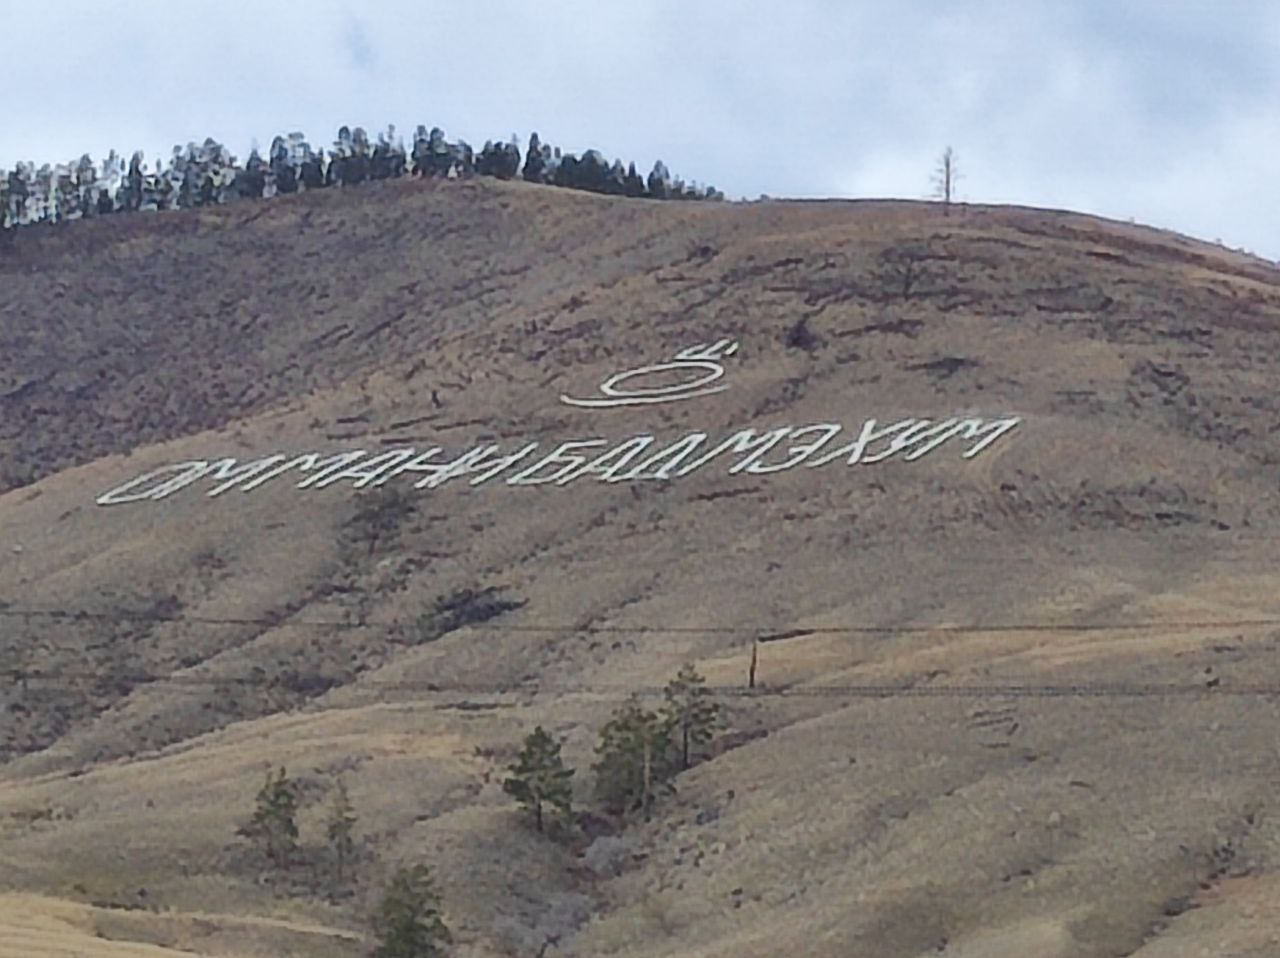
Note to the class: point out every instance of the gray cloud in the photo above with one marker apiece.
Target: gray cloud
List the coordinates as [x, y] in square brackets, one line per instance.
[1163, 112]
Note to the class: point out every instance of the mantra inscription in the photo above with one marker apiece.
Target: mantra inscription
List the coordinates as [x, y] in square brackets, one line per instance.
[638, 458]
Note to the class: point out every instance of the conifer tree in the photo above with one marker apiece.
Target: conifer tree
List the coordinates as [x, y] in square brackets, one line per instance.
[691, 712]
[340, 829]
[379, 515]
[407, 922]
[274, 823]
[635, 759]
[539, 777]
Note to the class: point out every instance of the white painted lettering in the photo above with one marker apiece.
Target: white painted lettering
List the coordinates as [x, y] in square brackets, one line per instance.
[797, 453]
[487, 471]
[368, 471]
[306, 463]
[608, 465]
[421, 462]
[327, 466]
[953, 428]
[745, 440]
[455, 469]
[232, 475]
[924, 429]
[530, 477]
[666, 460]
[868, 435]
[126, 493]
[618, 461]
[996, 428]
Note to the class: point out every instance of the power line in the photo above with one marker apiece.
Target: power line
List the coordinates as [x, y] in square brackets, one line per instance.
[765, 633]
[290, 682]
[865, 690]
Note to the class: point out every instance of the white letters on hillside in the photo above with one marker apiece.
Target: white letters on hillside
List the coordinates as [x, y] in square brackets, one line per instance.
[635, 458]
[698, 372]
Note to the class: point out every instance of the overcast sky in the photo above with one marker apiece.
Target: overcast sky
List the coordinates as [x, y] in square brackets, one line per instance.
[1166, 112]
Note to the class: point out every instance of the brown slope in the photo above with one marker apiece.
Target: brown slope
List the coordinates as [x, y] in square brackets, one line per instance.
[1138, 489]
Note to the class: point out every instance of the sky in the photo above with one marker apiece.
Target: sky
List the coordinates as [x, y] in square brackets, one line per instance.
[1167, 113]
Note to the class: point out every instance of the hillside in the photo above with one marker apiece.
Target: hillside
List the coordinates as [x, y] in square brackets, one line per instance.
[1018, 692]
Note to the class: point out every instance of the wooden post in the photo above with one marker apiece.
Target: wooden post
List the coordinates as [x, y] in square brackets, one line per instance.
[648, 771]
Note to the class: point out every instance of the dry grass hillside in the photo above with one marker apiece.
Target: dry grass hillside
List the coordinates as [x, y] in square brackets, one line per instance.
[1019, 704]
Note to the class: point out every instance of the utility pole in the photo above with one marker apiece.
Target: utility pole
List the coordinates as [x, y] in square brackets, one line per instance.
[648, 770]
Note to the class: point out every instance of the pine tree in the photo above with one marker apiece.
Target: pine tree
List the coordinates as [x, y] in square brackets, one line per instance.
[635, 761]
[341, 831]
[539, 777]
[691, 712]
[379, 515]
[274, 823]
[407, 922]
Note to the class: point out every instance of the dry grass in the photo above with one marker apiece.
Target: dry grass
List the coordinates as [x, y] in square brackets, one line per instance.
[1139, 488]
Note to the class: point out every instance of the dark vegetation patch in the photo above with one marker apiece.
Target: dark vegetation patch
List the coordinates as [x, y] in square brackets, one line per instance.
[897, 327]
[1167, 252]
[724, 494]
[470, 607]
[1201, 412]
[945, 367]
[456, 610]
[1135, 505]
[59, 673]
[800, 336]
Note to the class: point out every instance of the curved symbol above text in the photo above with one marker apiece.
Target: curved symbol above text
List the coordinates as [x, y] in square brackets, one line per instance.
[702, 362]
